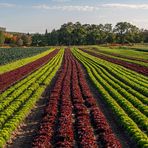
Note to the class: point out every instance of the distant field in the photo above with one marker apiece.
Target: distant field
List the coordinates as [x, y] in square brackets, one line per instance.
[83, 96]
[8, 55]
[23, 61]
[128, 51]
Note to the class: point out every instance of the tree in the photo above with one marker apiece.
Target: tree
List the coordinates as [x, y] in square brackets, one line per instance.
[65, 34]
[46, 32]
[2, 38]
[27, 40]
[126, 32]
[145, 35]
[39, 40]
[92, 35]
[109, 36]
[78, 34]
[53, 38]
[36, 39]
[19, 42]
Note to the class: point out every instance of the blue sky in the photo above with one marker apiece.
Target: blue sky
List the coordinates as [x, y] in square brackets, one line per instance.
[37, 15]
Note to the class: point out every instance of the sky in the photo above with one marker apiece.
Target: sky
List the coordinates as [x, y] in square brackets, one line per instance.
[35, 16]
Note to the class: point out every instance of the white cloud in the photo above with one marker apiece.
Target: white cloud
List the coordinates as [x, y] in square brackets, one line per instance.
[61, 1]
[6, 5]
[67, 8]
[90, 8]
[81, 7]
[129, 6]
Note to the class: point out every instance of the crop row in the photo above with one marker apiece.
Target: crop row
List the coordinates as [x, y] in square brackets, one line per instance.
[132, 59]
[15, 105]
[134, 122]
[8, 55]
[128, 101]
[135, 83]
[16, 64]
[138, 68]
[72, 114]
[104, 132]
[137, 54]
[117, 85]
[9, 78]
[104, 53]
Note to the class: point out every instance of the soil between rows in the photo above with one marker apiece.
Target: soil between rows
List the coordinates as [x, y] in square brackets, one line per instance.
[24, 135]
[112, 119]
[11, 77]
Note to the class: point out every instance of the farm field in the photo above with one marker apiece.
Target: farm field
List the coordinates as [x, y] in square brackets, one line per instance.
[83, 96]
[18, 63]
[138, 66]
[112, 53]
[12, 54]
[136, 51]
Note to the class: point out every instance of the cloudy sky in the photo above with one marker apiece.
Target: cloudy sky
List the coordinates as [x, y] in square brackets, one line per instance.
[37, 15]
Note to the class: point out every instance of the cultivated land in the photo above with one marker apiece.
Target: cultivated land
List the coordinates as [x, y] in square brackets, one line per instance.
[87, 96]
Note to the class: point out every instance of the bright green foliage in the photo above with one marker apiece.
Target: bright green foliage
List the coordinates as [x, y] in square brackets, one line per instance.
[21, 62]
[125, 95]
[17, 101]
[137, 51]
[97, 51]
[2, 38]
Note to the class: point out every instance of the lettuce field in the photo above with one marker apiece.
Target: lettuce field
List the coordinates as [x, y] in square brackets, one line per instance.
[74, 97]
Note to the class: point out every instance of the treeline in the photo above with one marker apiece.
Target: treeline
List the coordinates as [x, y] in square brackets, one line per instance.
[86, 34]
[80, 34]
[15, 39]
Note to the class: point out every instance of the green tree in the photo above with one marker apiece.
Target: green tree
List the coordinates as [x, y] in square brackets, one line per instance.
[2, 38]
[65, 34]
[145, 35]
[53, 38]
[126, 33]
[109, 36]
[78, 34]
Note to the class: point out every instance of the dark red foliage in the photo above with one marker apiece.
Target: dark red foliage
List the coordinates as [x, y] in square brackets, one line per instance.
[104, 132]
[72, 114]
[135, 67]
[9, 78]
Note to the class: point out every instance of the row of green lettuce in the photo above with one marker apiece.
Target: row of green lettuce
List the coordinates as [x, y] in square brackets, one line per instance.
[126, 102]
[97, 51]
[133, 79]
[24, 61]
[127, 51]
[17, 101]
